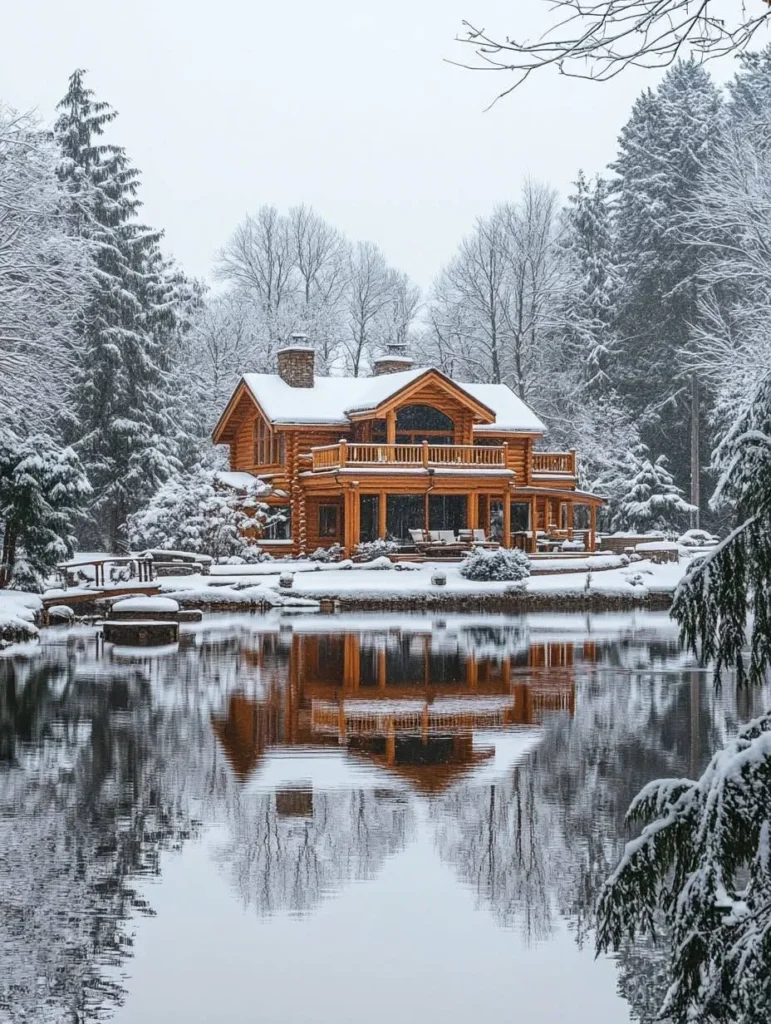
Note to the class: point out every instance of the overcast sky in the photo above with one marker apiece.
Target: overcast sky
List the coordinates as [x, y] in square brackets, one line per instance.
[348, 106]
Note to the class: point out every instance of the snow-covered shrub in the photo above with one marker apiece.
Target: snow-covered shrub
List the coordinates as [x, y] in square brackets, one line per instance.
[697, 539]
[331, 554]
[193, 512]
[370, 549]
[501, 564]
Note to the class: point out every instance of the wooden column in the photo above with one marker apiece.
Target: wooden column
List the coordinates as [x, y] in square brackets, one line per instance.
[534, 523]
[350, 517]
[381, 669]
[472, 511]
[507, 519]
[382, 508]
[391, 427]
[592, 527]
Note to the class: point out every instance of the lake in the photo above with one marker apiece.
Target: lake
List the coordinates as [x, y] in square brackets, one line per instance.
[331, 819]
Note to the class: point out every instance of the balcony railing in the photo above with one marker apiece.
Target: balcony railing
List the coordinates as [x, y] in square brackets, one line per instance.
[554, 462]
[455, 456]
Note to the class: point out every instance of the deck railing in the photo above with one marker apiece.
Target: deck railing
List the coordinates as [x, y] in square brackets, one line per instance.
[347, 453]
[554, 462]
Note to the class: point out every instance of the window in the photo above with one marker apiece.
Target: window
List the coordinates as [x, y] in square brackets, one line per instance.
[327, 520]
[520, 517]
[417, 423]
[269, 446]
[281, 528]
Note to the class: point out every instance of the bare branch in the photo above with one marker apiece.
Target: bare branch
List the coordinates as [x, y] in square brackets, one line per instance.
[601, 39]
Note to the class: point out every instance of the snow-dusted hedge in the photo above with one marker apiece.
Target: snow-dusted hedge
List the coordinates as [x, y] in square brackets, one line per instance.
[331, 554]
[370, 549]
[501, 564]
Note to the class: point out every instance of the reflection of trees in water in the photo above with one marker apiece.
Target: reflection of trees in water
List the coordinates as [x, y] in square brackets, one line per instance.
[82, 819]
[279, 860]
[539, 844]
[500, 840]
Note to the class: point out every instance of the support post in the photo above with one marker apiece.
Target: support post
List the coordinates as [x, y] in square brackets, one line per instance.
[343, 454]
[391, 427]
[695, 446]
[424, 454]
[507, 519]
[382, 509]
[592, 527]
[472, 511]
[534, 523]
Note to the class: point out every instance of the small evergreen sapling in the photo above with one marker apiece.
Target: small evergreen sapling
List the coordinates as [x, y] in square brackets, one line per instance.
[651, 500]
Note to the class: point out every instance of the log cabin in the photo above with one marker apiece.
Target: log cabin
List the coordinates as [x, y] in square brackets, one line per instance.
[355, 459]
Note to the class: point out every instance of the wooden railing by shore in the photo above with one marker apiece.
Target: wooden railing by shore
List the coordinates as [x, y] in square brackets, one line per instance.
[554, 462]
[347, 453]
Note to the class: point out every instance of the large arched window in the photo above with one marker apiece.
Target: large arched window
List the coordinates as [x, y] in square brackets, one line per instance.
[416, 423]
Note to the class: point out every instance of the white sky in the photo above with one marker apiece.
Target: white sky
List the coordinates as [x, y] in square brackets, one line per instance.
[347, 106]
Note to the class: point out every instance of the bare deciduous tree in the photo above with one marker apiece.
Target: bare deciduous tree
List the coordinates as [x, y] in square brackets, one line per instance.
[599, 39]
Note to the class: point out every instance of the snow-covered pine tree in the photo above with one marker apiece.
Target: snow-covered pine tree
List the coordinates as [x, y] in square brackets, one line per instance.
[663, 150]
[593, 283]
[41, 489]
[121, 423]
[651, 500]
[702, 859]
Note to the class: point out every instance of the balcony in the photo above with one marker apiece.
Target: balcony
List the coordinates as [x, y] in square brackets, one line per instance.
[554, 463]
[425, 456]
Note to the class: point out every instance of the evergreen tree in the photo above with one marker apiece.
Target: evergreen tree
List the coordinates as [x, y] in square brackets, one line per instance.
[41, 488]
[593, 288]
[663, 150]
[651, 500]
[122, 423]
[195, 512]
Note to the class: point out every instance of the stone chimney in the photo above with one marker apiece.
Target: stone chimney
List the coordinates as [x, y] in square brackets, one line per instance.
[295, 362]
[394, 361]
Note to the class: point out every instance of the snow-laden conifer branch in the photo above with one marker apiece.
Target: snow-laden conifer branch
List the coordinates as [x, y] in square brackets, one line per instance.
[703, 859]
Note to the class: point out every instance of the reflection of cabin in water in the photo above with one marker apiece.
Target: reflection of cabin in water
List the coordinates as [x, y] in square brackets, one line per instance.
[407, 701]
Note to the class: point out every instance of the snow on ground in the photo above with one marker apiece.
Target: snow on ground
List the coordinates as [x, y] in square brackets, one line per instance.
[17, 614]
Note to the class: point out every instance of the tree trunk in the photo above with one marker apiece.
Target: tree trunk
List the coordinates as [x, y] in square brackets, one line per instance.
[9, 555]
[695, 446]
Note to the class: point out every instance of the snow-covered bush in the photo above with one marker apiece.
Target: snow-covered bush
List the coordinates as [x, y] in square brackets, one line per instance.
[370, 549]
[501, 564]
[697, 539]
[331, 554]
[193, 512]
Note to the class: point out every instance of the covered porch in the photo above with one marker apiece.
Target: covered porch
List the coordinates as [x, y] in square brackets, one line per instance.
[358, 511]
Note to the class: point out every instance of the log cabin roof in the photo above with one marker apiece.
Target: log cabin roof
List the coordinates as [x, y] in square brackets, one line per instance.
[333, 401]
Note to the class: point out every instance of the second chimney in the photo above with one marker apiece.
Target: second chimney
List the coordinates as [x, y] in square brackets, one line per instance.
[295, 362]
[394, 361]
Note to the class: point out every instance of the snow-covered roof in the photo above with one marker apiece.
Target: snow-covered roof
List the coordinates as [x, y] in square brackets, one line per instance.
[332, 400]
[238, 480]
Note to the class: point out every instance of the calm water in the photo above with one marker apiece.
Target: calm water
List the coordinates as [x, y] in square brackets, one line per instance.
[341, 819]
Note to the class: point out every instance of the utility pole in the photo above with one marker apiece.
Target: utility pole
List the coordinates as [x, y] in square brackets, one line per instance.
[695, 460]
